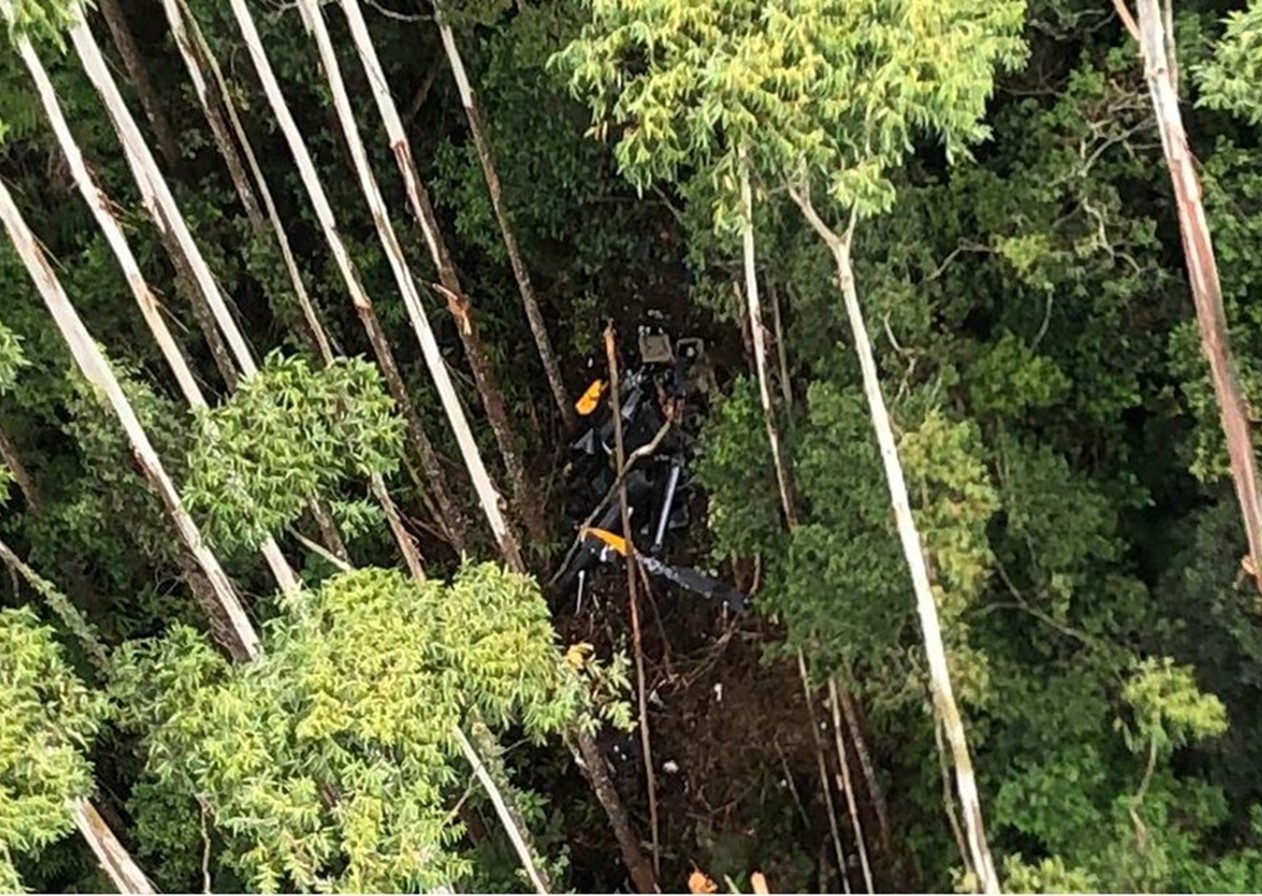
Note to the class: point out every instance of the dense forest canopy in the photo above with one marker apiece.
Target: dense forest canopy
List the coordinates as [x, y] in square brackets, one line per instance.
[299, 301]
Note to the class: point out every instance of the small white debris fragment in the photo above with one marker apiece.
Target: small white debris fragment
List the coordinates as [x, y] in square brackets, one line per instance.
[718, 692]
[655, 699]
[670, 766]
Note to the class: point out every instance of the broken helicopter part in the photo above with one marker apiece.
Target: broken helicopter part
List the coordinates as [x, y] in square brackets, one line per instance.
[658, 427]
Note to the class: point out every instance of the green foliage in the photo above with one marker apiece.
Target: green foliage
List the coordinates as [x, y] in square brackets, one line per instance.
[286, 436]
[1229, 80]
[48, 719]
[814, 90]
[1169, 710]
[330, 762]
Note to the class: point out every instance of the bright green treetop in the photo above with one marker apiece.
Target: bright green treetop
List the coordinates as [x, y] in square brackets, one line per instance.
[47, 721]
[818, 90]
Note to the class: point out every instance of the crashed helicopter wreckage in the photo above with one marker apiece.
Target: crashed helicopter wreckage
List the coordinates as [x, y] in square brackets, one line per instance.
[656, 420]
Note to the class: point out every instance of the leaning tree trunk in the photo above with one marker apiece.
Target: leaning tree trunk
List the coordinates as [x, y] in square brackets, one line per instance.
[157, 197]
[113, 231]
[215, 100]
[758, 337]
[526, 503]
[1207, 294]
[113, 857]
[228, 618]
[125, 43]
[487, 492]
[913, 551]
[528, 298]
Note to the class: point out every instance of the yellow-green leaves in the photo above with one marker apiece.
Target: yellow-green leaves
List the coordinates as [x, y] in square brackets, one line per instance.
[329, 762]
[1232, 79]
[287, 435]
[48, 719]
[1168, 708]
[817, 89]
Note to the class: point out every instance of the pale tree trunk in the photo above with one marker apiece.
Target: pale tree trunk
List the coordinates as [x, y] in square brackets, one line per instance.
[843, 761]
[120, 33]
[487, 492]
[157, 196]
[199, 60]
[926, 607]
[526, 503]
[112, 856]
[215, 101]
[528, 298]
[1198, 252]
[114, 859]
[102, 212]
[759, 339]
[228, 617]
[418, 198]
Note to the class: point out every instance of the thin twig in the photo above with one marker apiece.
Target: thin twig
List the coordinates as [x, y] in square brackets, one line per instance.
[633, 597]
[844, 761]
[823, 771]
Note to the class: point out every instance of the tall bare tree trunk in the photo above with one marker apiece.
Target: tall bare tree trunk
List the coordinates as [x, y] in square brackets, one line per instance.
[1198, 251]
[120, 33]
[528, 298]
[487, 492]
[159, 201]
[759, 338]
[215, 101]
[102, 212]
[228, 618]
[113, 857]
[931, 630]
[526, 503]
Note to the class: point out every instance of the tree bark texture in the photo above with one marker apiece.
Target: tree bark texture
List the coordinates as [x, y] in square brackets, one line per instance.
[1202, 267]
[529, 299]
[944, 703]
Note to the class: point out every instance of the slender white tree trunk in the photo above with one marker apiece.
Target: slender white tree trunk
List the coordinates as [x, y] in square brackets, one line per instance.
[530, 301]
[487, 493]
[113, 857]
[487, 383]
[153, 186]
[759, 337]
[926, 607]
[145, 299]
[236, 630]
[197, 60]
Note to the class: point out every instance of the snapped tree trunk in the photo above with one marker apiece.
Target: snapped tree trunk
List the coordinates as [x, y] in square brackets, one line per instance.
[125, 43]
[228, 617]
[524, 285]
[1202, 267]
[525, 501]
[931, 630]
